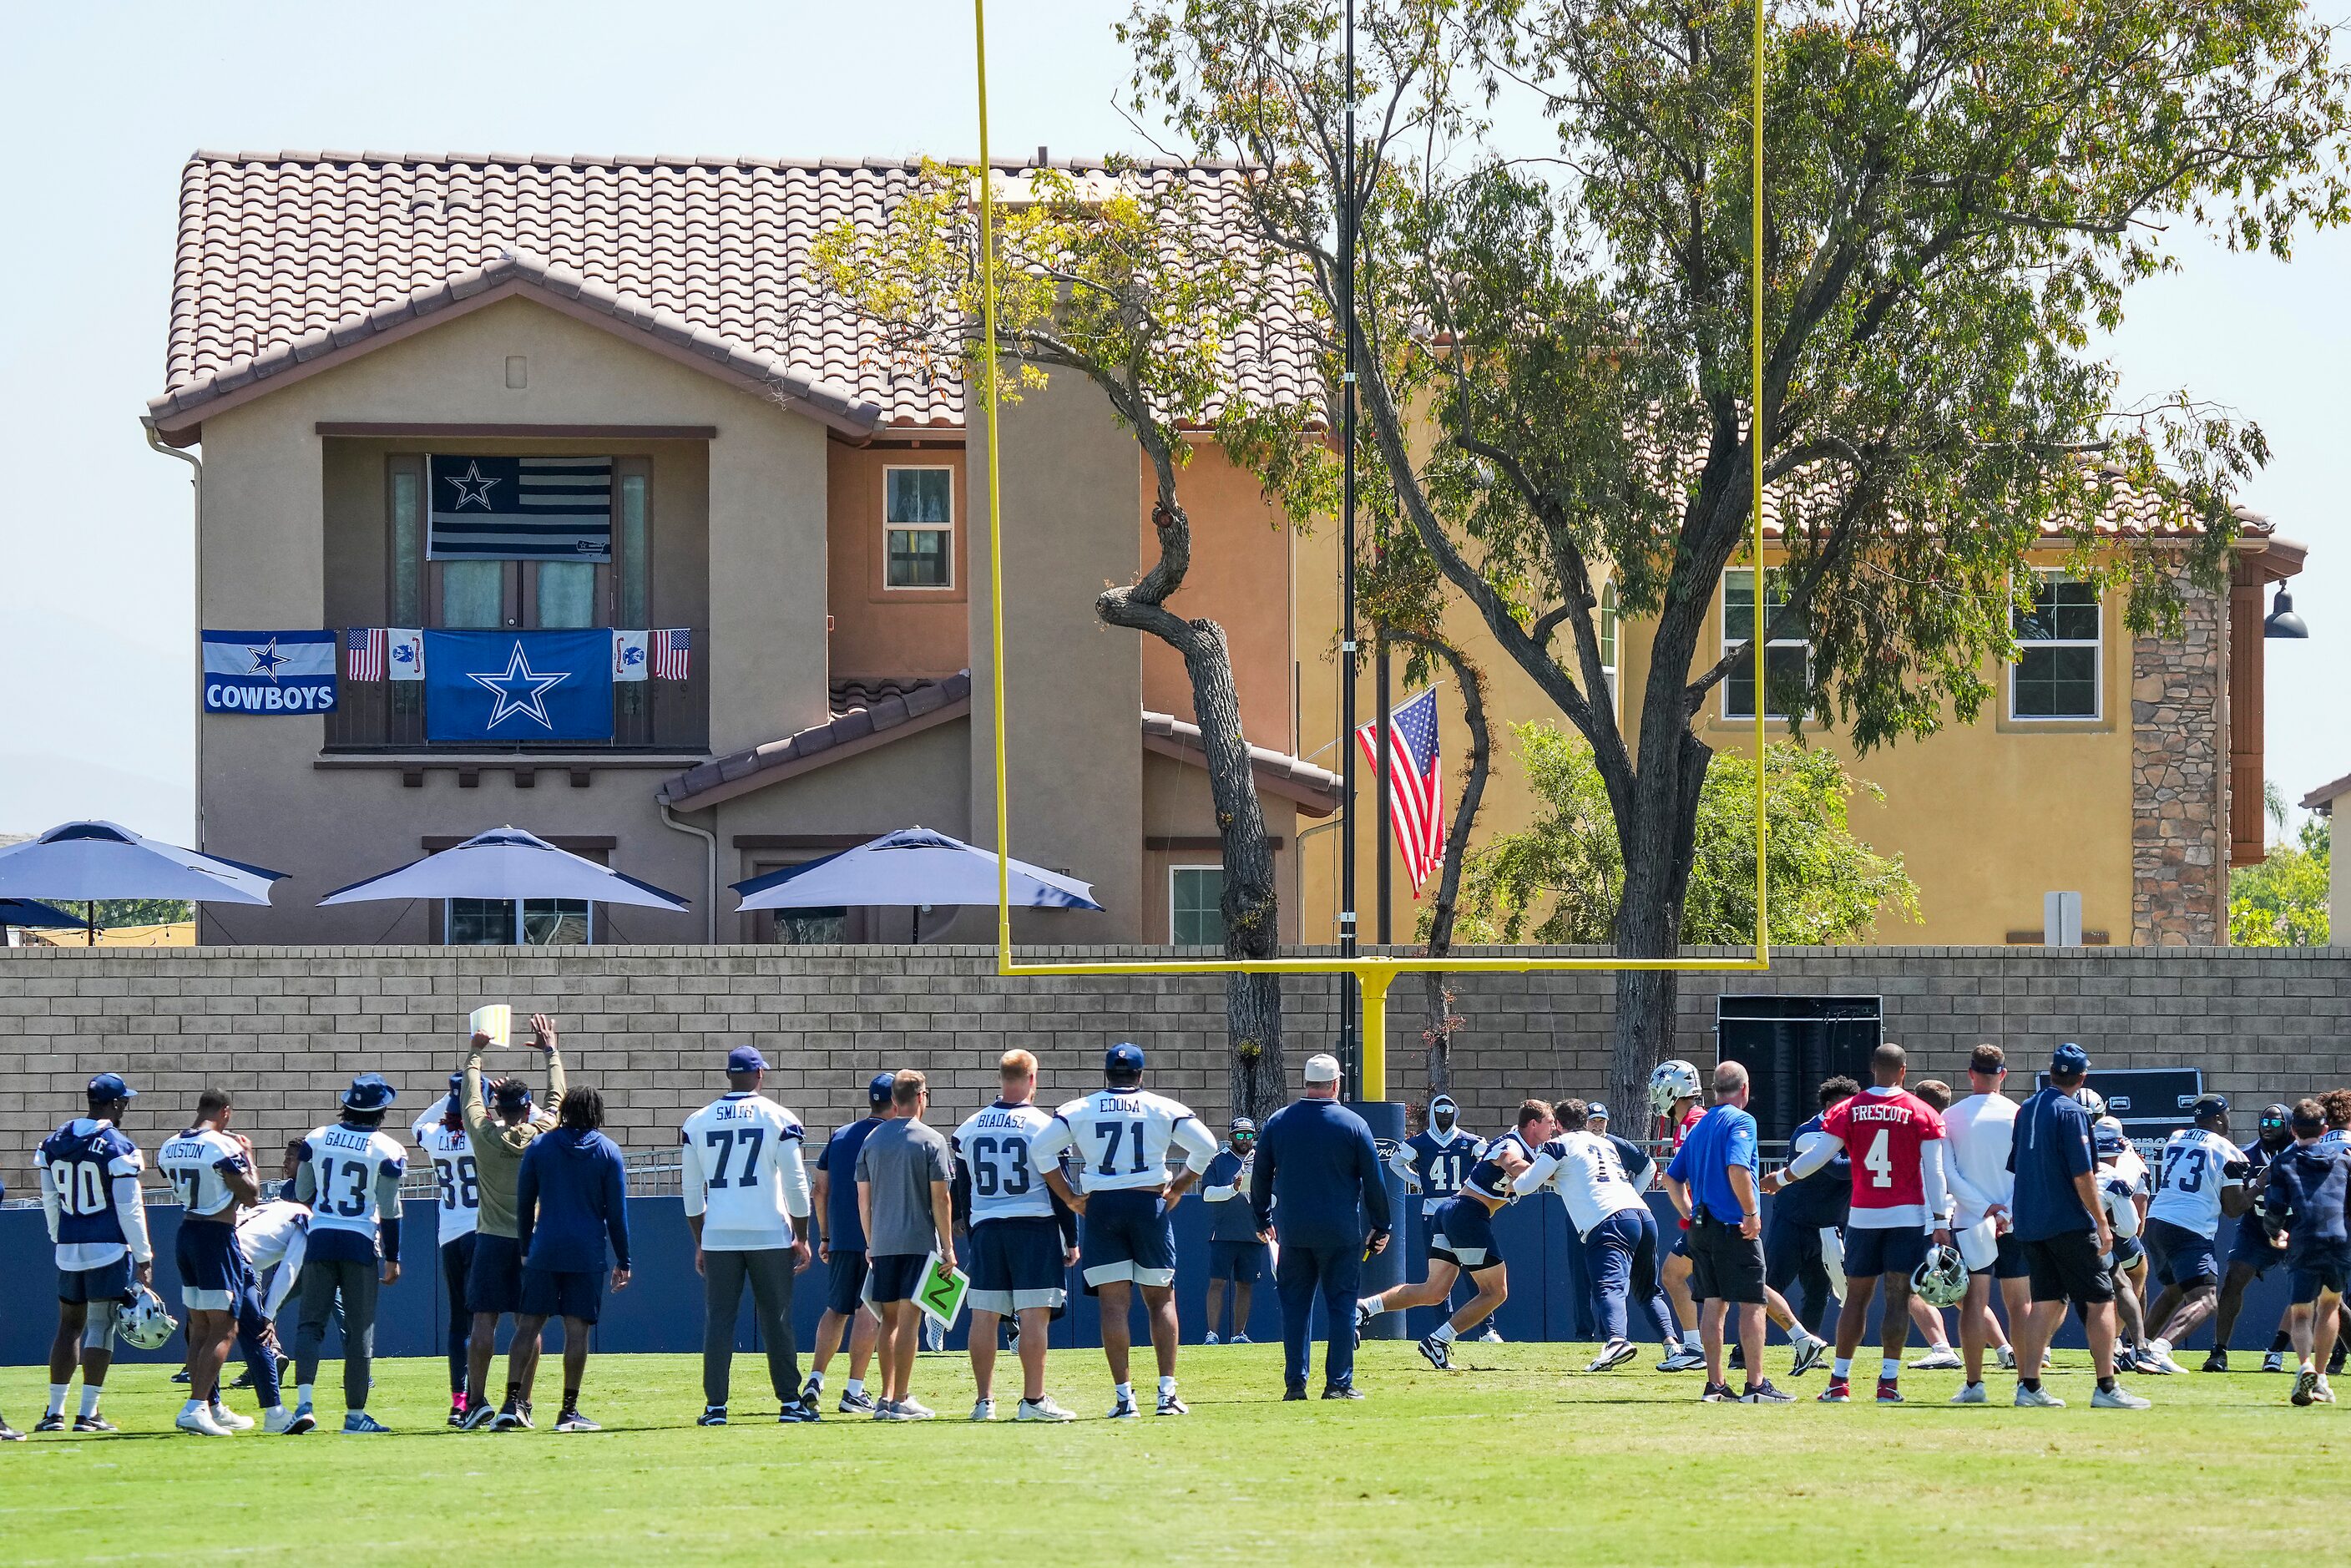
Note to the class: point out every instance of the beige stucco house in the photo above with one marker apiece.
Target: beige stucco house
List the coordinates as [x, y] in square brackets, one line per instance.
[797, 503]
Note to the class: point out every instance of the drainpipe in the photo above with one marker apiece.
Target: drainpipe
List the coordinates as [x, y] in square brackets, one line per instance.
[196, 486]
[709, 870]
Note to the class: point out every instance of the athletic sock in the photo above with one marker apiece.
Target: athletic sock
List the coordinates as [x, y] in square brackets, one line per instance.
[1126, 1394]
[89, 1397]
[572, 1396]
[2030, 1384]
[815, 1381]
[2107, 1384]
[1889, 1367]
[302, 1392]
[58, 1392]
[1166, 1386]
[1445, 1332]
[1370, 1306]
[2283, 1342]
[1691, 1340]
[192, 1405]
[853, 1387]
[1841, 1367]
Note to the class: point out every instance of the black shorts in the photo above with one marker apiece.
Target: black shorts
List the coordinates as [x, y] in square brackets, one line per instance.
[844, 1292]
[1724, 1265]
[1242, 1262]
[1871, 1251]
[562, 1292]
[2068, 1268]
[494, 1279]
[2180, 1257]
[894, 1276]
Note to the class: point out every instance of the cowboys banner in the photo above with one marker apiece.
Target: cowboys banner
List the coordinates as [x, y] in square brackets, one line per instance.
[515, 688]
[269, 672]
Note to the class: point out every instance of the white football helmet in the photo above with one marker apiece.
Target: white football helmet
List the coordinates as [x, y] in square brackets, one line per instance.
[144, 1321]
[2091, 1101]
[1669, 1082]
[1942, 1280]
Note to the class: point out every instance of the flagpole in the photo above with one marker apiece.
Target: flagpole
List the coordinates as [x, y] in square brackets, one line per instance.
[1350, 1047]
[1384, 834]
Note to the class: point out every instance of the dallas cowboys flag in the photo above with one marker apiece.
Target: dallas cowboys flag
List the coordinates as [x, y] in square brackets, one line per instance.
[269, 672]
[521, 509]
[515, 688]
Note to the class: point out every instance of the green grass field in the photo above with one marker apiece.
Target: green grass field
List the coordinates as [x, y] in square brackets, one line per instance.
[1515, 1459]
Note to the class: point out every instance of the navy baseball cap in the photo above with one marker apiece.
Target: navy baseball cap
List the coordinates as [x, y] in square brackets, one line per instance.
[1123, 1058]
[110, 1086]
[2068, 1059]
[369, 1092]
[456, 1081]
[2209, 1107]
[746, 1058]
[1595, 1112]
[1242, 1124]
[877, 1092]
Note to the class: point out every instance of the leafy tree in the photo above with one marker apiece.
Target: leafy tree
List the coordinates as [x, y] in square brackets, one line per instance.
[1131, 281]
[2283, 901]
[1560, 880]
[1554, 351]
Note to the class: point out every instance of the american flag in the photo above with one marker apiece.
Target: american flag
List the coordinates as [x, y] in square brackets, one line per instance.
[1416, 788]
[671, 653]
[363, 653]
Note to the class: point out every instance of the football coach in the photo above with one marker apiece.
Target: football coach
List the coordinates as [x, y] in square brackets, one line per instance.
[1318, 1165]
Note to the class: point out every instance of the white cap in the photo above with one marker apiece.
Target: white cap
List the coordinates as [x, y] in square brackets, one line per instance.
[1322, 1069]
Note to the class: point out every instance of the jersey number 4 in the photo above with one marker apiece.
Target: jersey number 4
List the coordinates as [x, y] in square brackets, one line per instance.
[1877, 1162]
[1112, 1133]
[723, 1140]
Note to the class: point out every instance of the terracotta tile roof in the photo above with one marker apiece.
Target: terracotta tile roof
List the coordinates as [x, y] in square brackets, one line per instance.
[2322, 799]
[1315, 789]
[849, 693]
[281, 253]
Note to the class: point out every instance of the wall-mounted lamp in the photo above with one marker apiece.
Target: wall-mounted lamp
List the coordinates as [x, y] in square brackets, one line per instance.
[2283, 622]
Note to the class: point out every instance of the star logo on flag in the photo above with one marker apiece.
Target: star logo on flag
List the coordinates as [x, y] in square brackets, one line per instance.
[519, 690]
[265, 659]
[472, 486]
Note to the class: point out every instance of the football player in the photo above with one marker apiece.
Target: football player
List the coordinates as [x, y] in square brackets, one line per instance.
[2123, 1187]
[89, 1195]
[1125, 1135]
[350, 1176]
[1235, 1253]
[440, 1132]
[2258, 1246]
[2200, 1181]
[1461, 1239]
[212, 1171]
[1620, 1253]
[1977, 1134]
[1899, 1198]
[745, 1185]
[1022, 1240]
[1674, 1091]
[1432, 1163]
[501, 1124]
[1803, 1229]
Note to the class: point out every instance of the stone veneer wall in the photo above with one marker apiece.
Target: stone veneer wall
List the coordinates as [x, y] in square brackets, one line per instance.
[2179, 781]
[285, 1029]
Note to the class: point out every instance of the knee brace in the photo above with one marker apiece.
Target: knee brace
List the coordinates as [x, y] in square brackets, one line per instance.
[97, 1328]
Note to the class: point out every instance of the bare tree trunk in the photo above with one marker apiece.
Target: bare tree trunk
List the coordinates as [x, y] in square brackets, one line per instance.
[1658, 846]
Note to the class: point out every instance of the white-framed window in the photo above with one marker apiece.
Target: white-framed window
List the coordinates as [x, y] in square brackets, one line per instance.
[1195, 905]
[918, 527]
[2058, 651]
[1787, 661]
[519, 922]
[1608, 639]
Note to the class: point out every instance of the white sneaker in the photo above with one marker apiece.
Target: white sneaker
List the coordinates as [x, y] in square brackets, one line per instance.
[2007, 1353]
[1681, 1358]
[1043, 1409]
[1210, 1340]
[2118, 1398]
[199, 1420]
[231, 1419]
[983, 1410]
[276, 1420]
[2159, 1351]
[1941, 1358]
[1615, 1354]
[1240, 1339]
[915, 1410]
[1973, 1394]
[2037, 1399]
[1125, 1410]
[887, 1410]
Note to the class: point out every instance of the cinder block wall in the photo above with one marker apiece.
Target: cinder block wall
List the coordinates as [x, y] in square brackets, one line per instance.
[285, 1028]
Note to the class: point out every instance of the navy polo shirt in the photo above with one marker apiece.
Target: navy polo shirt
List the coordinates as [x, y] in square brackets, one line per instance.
[2052, 1146]
[1723, 1137]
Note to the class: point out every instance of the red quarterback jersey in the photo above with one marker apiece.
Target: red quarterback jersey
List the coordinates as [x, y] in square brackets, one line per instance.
[1883, 1133]
[1696, 1114]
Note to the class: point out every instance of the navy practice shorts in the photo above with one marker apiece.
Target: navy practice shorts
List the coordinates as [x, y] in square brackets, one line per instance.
[2253, 1247]
[106, 1283]
[1242, 1262]
[212, 1266]
[1870, 1251]
[494, 1280]
[844, 1289]
[1464, 1236]
[1016, 1264]
[2129, 1251]
[562, 1292]
[2321, 1269]
[1125, 1235]
[2177, 1256]
[894, 1276]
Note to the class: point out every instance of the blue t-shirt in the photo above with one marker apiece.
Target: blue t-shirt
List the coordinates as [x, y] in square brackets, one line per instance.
[843, 1231]
[2053, 1145]
[1232, 1220]
[1723, 1137]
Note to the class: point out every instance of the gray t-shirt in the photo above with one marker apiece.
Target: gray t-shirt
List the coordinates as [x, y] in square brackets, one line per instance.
[900, 1162]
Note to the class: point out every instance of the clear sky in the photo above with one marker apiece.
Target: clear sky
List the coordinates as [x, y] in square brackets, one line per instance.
[103, 102]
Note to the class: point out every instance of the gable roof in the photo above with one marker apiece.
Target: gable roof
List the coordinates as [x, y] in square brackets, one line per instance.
[284, 256]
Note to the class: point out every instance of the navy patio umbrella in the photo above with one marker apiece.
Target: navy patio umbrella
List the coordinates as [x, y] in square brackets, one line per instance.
[911, 868]
[88, 862]
[507, 864]
[35, 916]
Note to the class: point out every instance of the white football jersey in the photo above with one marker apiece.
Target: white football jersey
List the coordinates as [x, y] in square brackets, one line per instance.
[276, 1236]
[740, 1168]
[2189, 1178]
[1583, 1168]
[193, 1162]
[1123, 1137]
[351, 1170]
[454, 1173]
[1007, 1180]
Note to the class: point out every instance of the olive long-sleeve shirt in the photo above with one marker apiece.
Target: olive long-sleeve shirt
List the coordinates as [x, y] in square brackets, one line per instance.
[499, 1146]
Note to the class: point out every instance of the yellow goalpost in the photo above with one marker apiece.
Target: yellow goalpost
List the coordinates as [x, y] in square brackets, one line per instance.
[1374, 973]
